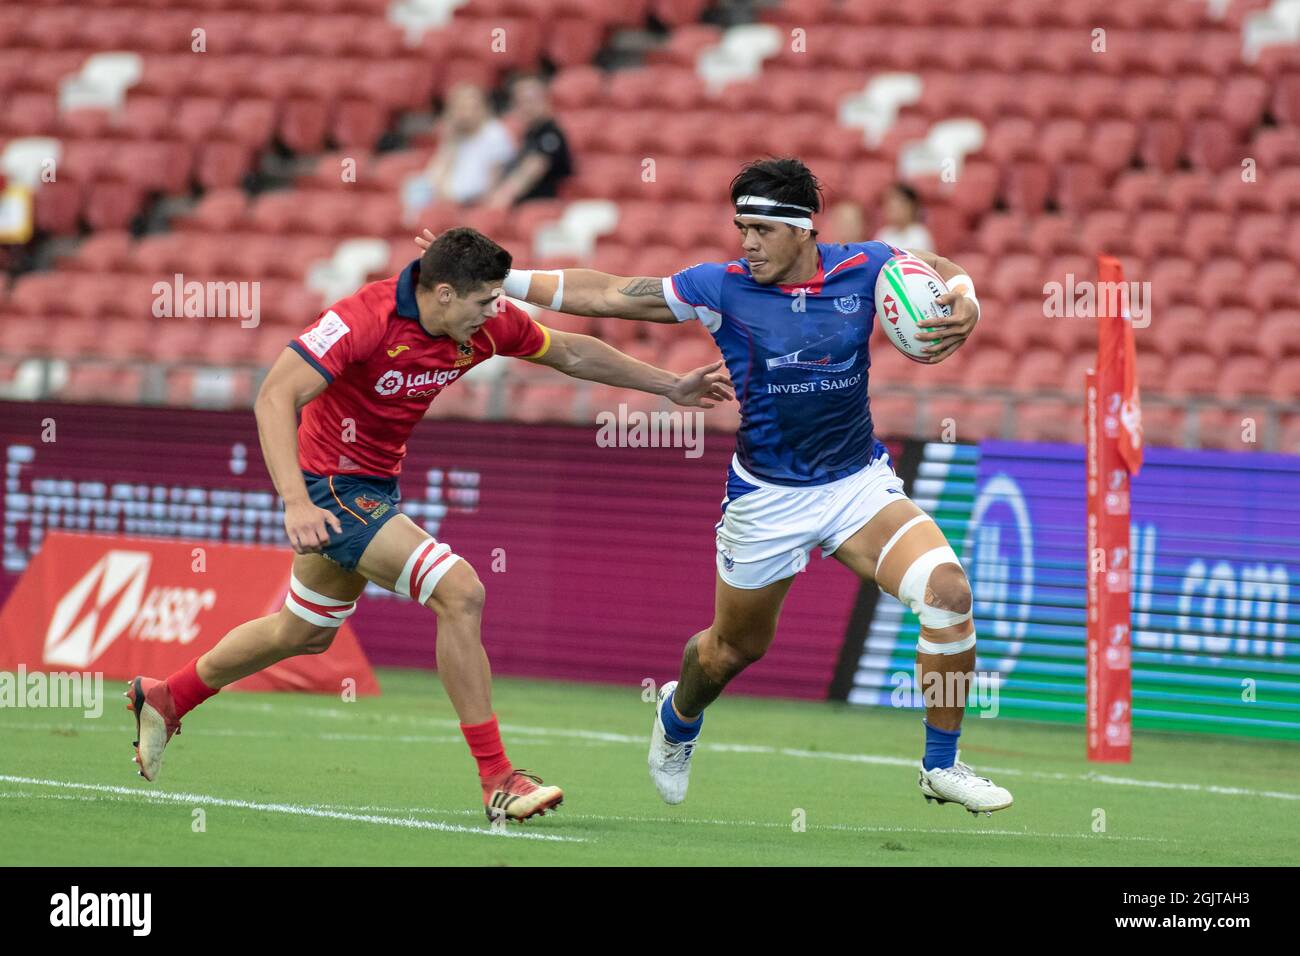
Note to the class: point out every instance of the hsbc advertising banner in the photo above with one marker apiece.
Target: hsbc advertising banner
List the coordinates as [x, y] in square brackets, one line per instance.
[1212, 567]
[121, 607]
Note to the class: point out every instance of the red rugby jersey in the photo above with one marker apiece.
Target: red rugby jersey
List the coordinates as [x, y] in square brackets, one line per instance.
[384, 370]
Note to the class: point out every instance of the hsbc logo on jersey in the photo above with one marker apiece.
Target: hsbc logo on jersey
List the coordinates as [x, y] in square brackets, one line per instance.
[110, 600]
[417, 384]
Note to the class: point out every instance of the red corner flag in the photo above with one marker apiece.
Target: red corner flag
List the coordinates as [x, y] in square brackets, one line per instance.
[1113, 420]
[1117, 364]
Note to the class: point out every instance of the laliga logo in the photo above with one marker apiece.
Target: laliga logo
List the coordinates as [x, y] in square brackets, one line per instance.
[108, 599]
[1002, 582]
[389, 383]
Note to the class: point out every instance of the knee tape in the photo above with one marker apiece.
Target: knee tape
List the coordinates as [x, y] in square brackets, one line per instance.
[911, 591]
[953, 647]
[314, 607]
[424, 569]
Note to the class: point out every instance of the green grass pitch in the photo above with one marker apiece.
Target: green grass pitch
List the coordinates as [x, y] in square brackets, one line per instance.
[313, 780]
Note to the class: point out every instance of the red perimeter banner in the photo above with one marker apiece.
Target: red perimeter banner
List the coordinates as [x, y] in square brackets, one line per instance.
[127, 606]
[1114, 453]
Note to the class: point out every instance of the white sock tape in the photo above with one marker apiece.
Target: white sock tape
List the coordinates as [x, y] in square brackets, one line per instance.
[314, 607]
[424, 569]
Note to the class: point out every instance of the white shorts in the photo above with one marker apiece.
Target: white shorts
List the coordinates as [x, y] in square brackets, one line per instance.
[766, 534]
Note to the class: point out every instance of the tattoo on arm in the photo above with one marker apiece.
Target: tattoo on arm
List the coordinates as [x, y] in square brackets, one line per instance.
[654, 288]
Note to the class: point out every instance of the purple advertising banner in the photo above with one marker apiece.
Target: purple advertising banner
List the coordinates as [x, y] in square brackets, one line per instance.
[598, 561]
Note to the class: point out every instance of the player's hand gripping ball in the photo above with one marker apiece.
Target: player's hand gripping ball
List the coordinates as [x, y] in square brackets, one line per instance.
[906, 294]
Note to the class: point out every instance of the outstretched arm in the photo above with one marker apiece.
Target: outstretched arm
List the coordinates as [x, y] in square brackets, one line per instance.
[948, 335]
[582, 356]
[586, 291]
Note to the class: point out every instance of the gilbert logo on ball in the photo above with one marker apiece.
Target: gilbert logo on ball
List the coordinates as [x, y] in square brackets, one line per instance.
[906, 290]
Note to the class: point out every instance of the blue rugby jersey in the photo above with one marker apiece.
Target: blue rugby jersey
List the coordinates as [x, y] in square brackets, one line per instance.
[798, 360]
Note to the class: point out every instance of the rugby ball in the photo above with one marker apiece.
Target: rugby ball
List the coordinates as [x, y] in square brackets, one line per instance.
[906, 290]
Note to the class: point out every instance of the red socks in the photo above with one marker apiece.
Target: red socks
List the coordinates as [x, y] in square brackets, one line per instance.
[485, 744]
[187, 689]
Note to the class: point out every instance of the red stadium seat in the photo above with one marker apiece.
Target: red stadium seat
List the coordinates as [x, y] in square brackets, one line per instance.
[102, 383]
[1208, 235]
[1002, 233]
[1222, 283]
[1041, 370]
[1240, 428]
[1017, 276]
[1106, 232]
[1112, 144]
[1243, 377]
[1161, 144]
[1213, 144]
[1050, 421]
[1080, 187]
[1163, 426]
[1280, 334]
[1234, 333]
[303, 124]
[125, 340]
[1289, 435]
[1156, 234]
[989, 368]
[1190, 375]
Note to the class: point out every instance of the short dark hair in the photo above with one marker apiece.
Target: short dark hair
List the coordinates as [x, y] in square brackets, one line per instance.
[785, 179]
[465, 259]
[908, 193]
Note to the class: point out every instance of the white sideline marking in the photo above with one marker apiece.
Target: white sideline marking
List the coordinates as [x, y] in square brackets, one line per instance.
[277, 735]
[849, 827]
[766, 824]
[158, 796]
[606, 737]
[878, 759]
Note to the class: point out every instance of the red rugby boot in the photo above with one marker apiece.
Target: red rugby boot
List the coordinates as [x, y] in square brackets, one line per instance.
[519, 795]
[155, 722]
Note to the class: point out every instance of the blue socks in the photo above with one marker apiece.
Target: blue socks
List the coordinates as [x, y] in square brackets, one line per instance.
[678, 730]
[940, 747]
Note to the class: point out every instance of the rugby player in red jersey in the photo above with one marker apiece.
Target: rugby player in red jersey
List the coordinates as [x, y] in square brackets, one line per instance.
[363, 374]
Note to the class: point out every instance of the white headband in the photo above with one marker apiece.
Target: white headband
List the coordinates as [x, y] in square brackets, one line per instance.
[759, 207]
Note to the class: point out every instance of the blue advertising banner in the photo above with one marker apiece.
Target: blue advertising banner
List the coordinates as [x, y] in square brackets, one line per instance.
[1214, 560]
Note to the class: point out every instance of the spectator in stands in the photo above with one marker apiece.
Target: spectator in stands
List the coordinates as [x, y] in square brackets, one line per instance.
[902, 213]
[847, 223]
[543, 159]
[473, 148]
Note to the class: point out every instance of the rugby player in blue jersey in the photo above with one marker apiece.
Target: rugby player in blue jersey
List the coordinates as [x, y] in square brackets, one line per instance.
[792, 319]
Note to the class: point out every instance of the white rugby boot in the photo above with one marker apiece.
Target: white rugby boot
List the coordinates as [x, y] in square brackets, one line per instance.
[960, 784]
[670, 760]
